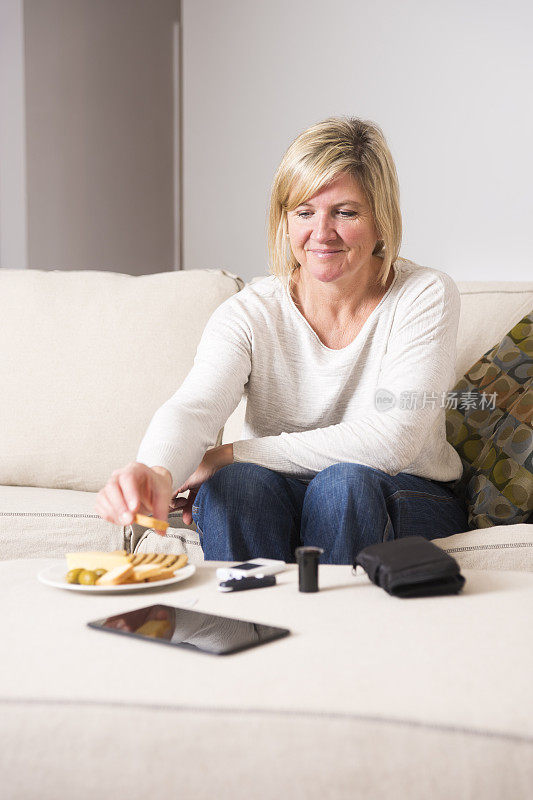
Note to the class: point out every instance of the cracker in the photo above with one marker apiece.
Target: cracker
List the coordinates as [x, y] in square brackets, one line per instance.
[163, 575]
[116, 576]
[144, 571]
[150, 522]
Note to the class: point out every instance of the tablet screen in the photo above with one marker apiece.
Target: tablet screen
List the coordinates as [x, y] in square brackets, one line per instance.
[191, 629]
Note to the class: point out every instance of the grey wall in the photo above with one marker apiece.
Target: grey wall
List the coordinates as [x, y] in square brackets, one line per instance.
[13, 231]
[450, 84]
[101, 126]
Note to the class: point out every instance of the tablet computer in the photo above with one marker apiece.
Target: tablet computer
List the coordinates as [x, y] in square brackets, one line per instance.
[194, 630]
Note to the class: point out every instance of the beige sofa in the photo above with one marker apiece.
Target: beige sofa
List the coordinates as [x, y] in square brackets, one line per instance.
[87, 357]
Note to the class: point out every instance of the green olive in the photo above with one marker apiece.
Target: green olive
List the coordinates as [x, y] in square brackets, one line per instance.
[73, 575]
[87, 577]
[100, 572]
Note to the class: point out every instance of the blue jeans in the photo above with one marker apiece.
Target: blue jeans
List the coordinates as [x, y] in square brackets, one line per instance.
[245, 511]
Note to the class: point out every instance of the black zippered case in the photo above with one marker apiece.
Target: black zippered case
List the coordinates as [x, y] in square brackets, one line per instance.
[411, 567]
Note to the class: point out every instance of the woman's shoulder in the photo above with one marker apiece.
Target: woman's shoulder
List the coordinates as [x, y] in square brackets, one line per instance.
[255, 300]
[413, 279]
[256, 293]
[263, 286]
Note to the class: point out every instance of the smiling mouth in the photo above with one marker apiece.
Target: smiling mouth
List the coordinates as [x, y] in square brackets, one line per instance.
[324, 252]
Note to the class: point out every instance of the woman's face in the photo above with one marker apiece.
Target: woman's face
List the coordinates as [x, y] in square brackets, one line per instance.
[332, 234]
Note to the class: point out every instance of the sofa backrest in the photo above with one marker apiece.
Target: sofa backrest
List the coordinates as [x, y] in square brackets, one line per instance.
[86, 357]
[488, 311]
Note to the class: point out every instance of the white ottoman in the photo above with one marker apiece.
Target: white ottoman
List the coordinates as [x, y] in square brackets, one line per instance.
[370, 697]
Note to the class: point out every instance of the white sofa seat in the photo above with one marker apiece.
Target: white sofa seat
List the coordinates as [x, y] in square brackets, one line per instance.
[47, 523]
[505, 547]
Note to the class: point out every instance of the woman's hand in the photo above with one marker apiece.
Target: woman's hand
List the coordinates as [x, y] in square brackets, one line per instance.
[212, 461]
[135, 488]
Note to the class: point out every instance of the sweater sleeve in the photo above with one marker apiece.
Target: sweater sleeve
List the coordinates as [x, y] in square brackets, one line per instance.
[419, 362]
[187, 424]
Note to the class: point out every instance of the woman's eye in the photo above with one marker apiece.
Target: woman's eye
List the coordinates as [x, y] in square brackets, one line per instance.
[343, 214]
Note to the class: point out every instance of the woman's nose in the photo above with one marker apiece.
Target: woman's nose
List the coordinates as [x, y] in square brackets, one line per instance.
[323, 229]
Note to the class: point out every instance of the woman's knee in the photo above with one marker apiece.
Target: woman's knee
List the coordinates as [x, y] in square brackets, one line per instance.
[344, 479]
[240, 482]
[246, 511]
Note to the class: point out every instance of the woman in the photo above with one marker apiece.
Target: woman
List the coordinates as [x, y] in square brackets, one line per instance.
[345, 353]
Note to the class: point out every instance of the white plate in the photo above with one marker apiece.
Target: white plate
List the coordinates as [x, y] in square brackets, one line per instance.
[54, 575]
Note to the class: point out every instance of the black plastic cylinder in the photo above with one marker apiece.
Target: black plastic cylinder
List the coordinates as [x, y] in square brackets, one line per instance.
[307, 558]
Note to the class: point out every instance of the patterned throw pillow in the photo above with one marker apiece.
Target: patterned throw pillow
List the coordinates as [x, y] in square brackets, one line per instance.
[492, 431]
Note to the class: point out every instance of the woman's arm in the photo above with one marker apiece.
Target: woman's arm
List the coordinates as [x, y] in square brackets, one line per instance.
[186, 426]
[420, 358]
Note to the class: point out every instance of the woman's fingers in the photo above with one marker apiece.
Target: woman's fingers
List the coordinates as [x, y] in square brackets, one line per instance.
[108, 506]
[103, 508]
[134, 488]
[115, 498]
[130, 484]
[178, 502]
[187, 510]
[160, 499]
[185, 505]
[120, 491]
[187, 514]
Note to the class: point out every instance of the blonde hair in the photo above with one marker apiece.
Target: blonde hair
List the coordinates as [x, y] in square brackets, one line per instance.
[318, 156]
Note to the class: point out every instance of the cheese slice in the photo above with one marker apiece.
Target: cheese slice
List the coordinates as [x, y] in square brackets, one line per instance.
[98, 560]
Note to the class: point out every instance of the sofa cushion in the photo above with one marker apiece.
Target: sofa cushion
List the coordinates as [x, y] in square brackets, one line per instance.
[51, 522]
[508, 547]
[491, 429]
[86, 359]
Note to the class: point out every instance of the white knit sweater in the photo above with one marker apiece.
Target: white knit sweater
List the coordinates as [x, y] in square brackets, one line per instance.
[309, 406]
